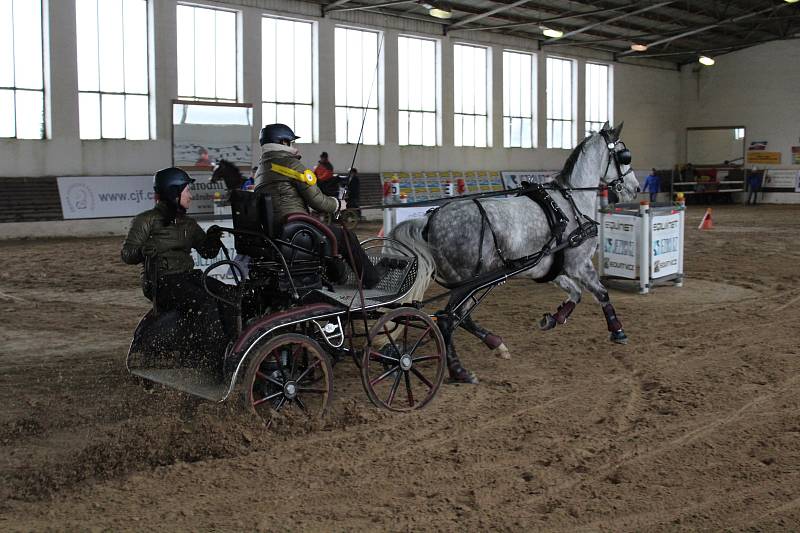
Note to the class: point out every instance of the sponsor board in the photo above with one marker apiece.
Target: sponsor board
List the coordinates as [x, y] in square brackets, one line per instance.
[619, 245]
[124, 196]
[666, 244]
[764, 158]
[513, 179]
[782, 179]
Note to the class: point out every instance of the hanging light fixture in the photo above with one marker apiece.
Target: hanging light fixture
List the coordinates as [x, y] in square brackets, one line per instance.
[439, 10]
[550, 32]
[638, 47]
[707, 61]
[791, 1]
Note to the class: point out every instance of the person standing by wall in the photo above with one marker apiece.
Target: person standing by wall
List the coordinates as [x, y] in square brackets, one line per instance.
[652, 184]
[325, 179]
[354, 192]
[754, 180]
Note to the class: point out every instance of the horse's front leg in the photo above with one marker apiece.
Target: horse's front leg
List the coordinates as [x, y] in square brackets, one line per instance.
[567, 306]
[591, 280]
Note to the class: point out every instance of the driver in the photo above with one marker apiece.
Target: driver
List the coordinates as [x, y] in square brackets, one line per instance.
[161, 240]
[294, 189]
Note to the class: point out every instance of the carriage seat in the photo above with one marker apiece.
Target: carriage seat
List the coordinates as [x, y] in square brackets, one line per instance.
[308, 237]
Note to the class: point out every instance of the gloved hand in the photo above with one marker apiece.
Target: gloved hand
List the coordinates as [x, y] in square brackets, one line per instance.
[149, 249]
[214, 233]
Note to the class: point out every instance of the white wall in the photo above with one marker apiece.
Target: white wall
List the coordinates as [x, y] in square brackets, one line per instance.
[756, 87]
[647, 99]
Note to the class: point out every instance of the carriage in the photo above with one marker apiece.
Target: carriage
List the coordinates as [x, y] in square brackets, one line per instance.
[293, 324]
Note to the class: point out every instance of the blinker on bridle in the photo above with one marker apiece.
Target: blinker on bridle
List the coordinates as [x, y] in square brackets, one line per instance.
[620, 158]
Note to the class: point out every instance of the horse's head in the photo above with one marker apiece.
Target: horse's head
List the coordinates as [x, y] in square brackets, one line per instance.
[229, 173]
[618, 175]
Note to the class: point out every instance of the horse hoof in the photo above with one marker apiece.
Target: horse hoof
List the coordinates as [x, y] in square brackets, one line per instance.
[619, 337]
[502, 352]
[463, 376]
[548, 321]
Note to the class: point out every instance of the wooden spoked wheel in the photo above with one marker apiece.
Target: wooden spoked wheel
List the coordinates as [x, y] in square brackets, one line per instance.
[289, 371]
[404, 360]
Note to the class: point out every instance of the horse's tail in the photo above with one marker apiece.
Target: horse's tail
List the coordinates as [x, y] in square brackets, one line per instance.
[410, 233]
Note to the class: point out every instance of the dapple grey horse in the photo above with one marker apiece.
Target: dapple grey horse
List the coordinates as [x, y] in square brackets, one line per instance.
[447, 242]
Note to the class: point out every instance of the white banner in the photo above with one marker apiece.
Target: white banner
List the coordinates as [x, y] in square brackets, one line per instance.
[619, 245]
[125, 196]
[409, 213]
[223, 273]
[666, 239]
[512, 179]
[782, 179]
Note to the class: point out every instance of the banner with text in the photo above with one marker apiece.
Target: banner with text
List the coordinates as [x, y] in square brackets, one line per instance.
[125, 196]
[666, 239]
[619, 245]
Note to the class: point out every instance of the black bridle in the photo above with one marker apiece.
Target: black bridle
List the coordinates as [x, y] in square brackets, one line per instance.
[620, 158]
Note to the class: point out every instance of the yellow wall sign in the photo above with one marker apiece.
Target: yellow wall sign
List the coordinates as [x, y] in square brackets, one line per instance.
[763, 158]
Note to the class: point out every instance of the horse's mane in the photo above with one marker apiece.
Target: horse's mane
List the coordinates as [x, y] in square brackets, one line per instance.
[563, 178]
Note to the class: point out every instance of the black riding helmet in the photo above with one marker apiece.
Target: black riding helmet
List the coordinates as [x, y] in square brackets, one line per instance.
[168, 183]
[276, 133]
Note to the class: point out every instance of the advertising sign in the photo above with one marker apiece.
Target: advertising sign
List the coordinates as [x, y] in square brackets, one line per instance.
[512, 179]
[665, 239]
[764, 158]
[124, 196]
[619, 245]
[796, 155]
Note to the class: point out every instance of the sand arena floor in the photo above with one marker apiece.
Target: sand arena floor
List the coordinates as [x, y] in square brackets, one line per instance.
[695, 425]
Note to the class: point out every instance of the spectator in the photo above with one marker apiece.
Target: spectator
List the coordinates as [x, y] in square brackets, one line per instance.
[652, 184]
[248, 184]
[754, 181]
[325, 179]
[202, 158]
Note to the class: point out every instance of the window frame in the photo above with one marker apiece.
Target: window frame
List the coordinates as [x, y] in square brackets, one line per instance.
[311, 136]
[437, 91]
[507, 143]
[488, 94]
[14, 88]
[124, 93]
[550, 104]
[379, 87]
[238, 43]
[588, 124]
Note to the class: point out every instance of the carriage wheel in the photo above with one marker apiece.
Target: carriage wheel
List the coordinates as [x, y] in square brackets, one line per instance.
[289, 371]
[404, 360]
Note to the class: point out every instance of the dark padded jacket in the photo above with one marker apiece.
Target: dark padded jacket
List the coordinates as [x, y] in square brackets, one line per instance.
[292, 186]
[170, 237]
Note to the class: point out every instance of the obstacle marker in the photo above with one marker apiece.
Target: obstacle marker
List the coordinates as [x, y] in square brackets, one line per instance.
[706, 223]
[380, 232]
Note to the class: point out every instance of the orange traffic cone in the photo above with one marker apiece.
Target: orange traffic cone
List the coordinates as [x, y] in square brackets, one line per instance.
[380, 233]
[706, 223]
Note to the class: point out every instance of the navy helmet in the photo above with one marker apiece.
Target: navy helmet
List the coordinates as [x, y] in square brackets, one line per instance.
[276, 133]
[169, 183]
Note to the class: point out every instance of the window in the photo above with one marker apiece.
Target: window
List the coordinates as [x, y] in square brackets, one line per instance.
[113, 84]
[287, 77]
[518, 116]
[356, 85]
[21, 78]
[560, 103]
[417, 91]
[738, 133]
[470, 80]
[207, 56]
[598, 96]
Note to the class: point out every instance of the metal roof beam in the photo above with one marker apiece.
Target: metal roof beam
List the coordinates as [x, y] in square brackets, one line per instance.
[612, 19]
[364, 7]
[705, 28]
[575, 14]
[330, 6]
[473, 18]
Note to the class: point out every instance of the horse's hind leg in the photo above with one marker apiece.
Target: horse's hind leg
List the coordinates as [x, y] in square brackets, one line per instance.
[567, 306]
[492, 341]
[589, 279]
[458, 374]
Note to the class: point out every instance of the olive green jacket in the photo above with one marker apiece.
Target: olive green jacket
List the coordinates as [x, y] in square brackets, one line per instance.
[168, 237]
[290, 183]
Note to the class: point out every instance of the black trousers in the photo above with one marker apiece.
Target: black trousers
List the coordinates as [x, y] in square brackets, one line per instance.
[360, 263]
[184, 291]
